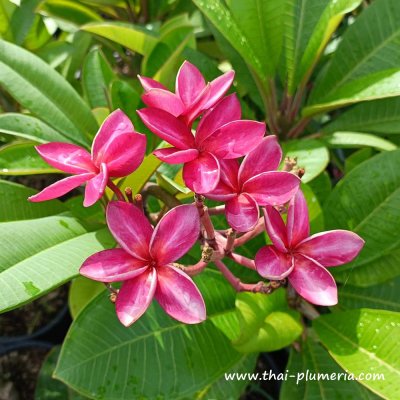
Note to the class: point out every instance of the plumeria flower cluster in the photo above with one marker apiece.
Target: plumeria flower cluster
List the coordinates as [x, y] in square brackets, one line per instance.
[226, 159]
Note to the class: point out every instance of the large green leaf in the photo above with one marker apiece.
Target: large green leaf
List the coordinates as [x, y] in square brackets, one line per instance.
[367, 201]
[41, 254]
[22, 20]
[21, 158]
[312, 155]
[223, 20]
[382, 296]
[378, 85]
[313, 360]
[81, 292]
[378, 116]
[309, 26]
[266, 322]
[365, 342]
[314, 209]
[97, 75]
[356, 139]
[29, 127]
[130, 36]
[157, 357]
[262, 24]
[37, 87]
[14, 205]
[365, 65]
[70, 11]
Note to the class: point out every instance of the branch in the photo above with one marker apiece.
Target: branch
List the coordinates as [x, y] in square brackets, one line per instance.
[251, 234]
[151, 189]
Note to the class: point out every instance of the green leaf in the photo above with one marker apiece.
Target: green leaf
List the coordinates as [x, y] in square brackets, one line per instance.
[157, 356]
[375, 86]
[70, 11]
[365, 342]
[41, 254]
[15, 206]
[29, 127]
[97, 75]
[170, 185]
[138, 179]
[377, 116]
[312, 155]
[266, 322]
[314, 209]
[321, 186]
[48, 388]
[55, 53]
[37, 87]
[357, 158]
[81, 292]
[309, 26]
[22, 20]
[131, 36]
[125, 97]
[355, 139]
[367, 201]
[222, 19]
[313, 360]
[382, 296]
[365, 64]
[262, 24]
[21, 158]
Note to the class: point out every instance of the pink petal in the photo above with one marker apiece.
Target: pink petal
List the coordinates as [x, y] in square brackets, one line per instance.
[202, 174]
[276, 228]
[135, 297]
[175, 234]
[114, 125]
[196, 107]
[265, 157]
[124, 154]
[172, 155]
[112, 266]
[313, 282]
[242, 212]
[130, 228]
[95, 187]
[227, 110]
[167, 127]
[298, 224]
[189, 83]
[332, 248]
[165, 100]
[219, 87]
[61, 187]
[272, 188]
[235, 139]
[66, 157]
[179, 296]
[227, 187]
[149, 83]
[273, 264]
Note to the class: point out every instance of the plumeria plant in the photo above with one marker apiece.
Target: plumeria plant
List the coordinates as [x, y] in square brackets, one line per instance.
[145, 260]
[213, 186]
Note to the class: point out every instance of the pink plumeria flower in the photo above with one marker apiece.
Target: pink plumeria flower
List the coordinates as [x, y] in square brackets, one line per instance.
[302, 258]
[255, 183]
[117, 151]
[220, 135]
[192, 94]
[144, 263]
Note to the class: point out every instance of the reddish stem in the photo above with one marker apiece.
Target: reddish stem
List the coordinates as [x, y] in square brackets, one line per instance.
[206, 221]
[238, 285]
[116, 190]
[195, 269]
[242, 260]
[251, 234]
[216, 210]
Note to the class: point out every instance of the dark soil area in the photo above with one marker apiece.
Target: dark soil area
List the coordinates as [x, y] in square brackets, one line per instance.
[19, 370]
[31, 317]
